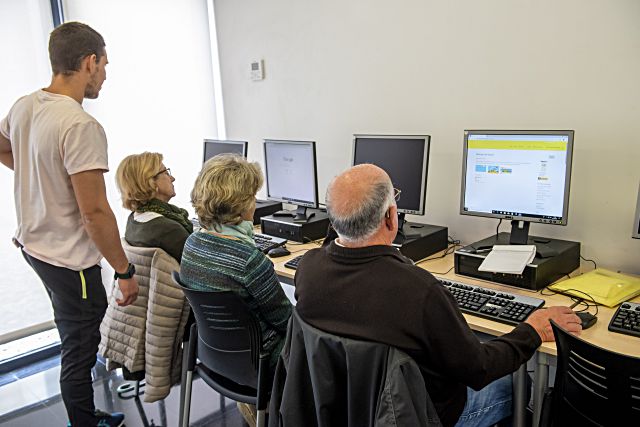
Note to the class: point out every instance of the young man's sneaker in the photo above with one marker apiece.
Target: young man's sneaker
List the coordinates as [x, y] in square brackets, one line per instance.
[106, 419]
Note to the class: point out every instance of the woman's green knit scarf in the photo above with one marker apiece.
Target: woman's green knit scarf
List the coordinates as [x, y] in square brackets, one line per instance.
[167, 210]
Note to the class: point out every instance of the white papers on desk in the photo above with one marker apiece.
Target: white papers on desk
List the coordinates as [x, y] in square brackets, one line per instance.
[510, 259]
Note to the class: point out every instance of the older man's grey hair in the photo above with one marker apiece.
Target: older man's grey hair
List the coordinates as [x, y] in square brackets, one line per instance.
[362, 220]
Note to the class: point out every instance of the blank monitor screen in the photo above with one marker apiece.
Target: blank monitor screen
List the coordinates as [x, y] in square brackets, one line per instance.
[636, 224]
[213, 147]
[291, 172]
[405, 159]
[523, 175]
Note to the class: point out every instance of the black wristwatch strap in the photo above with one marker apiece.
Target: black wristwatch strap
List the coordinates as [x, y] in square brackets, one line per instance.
[131, 270]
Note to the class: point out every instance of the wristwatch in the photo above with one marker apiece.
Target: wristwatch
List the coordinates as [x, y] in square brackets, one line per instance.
[131, 270]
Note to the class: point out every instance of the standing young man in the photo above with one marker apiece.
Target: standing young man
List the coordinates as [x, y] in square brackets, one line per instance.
[58, 153]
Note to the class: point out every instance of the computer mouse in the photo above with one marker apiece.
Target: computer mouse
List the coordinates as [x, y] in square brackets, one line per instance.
[278, 252]
[587, 319]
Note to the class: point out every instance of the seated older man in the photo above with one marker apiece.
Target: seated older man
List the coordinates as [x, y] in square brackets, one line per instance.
[360, 286]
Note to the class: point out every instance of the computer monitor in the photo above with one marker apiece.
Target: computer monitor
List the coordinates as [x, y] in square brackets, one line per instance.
[213, 147]
[636, 223]
[291, 175]
[405, 158]
[523, 176]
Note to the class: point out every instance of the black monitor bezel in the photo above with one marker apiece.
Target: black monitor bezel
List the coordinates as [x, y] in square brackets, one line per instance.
[567, 182]
[245, 146]
[425, 165]
[309, 204]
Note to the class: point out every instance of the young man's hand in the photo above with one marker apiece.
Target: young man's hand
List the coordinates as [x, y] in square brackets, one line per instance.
[129, 289]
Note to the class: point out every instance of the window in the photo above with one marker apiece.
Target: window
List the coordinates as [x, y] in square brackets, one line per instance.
[24, 32]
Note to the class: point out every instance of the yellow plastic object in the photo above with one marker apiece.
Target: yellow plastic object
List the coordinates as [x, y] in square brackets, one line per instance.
[604, 286]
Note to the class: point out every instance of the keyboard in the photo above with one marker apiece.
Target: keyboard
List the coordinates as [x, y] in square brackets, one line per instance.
[626, 320]
[495, 305]
[293, 263]
[265, 242]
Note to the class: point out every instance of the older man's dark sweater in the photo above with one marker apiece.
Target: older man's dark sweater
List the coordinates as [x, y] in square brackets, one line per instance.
[376, 294]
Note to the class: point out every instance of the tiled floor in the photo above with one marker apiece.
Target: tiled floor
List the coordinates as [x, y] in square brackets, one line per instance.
[30, 399]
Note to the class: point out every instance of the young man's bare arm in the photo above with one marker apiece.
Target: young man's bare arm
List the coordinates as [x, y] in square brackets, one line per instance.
[100, 223]
[6, 155]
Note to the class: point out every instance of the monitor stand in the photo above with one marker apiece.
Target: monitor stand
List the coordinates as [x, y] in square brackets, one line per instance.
[300, 215]
[519, 236]
[417, 241]
[554, 259]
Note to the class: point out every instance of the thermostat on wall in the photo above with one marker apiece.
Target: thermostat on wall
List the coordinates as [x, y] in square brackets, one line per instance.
[257, 70]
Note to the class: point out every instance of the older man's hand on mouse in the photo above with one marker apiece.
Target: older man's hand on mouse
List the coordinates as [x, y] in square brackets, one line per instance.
[563, 316]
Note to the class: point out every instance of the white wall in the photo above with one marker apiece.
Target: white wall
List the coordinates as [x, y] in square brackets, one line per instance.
[158, 95]
[335, 67]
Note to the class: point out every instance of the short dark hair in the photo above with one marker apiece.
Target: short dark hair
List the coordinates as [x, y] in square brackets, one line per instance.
[70, 43]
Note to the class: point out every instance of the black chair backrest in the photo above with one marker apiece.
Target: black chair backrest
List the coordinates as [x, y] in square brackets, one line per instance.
[229, 335]
[329, 380]
[594, 386]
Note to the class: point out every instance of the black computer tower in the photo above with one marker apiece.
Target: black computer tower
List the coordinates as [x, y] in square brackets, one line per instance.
[555, 259]
[418, 241]
[265, 208]
[284, 226]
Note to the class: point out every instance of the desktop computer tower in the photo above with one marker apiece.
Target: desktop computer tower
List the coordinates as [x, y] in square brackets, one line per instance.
[265, 208]
[283, 226]
[421, 240]
[559, 258]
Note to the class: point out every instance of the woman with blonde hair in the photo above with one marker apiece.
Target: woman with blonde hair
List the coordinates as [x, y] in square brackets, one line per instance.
[146, 186]
[222, 255]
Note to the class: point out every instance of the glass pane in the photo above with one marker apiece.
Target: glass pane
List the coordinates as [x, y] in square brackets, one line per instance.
[24, 32]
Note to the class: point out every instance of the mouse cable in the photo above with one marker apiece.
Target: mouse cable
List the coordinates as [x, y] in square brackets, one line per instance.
[575, 299]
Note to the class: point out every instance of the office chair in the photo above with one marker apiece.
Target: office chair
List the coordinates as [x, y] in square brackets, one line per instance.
[593, 386]
[326, 380]
[144, 338]
[225, 350]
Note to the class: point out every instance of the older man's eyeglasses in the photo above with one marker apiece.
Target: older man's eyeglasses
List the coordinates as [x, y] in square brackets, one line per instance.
[396, 193]
[165, 170]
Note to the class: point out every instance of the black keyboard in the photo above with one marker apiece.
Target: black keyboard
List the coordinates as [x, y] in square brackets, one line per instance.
[626, 320]
[265, 243]
[502, 307]
[293, 262]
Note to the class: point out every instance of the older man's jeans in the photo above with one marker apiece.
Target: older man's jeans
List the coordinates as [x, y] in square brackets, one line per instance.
[488, 406]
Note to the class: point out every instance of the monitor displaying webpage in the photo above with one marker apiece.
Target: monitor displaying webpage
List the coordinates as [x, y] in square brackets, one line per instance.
[291, 172]
[516, 175]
